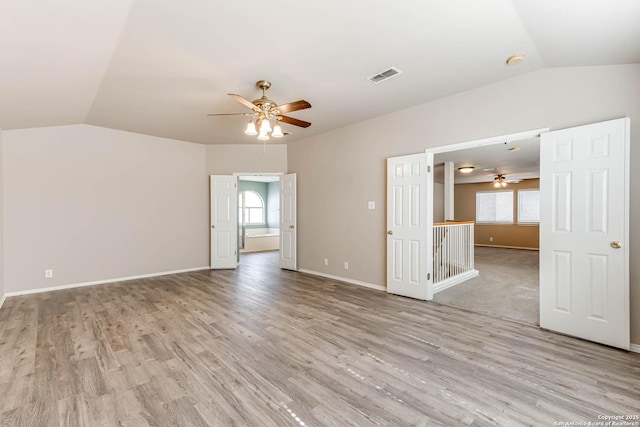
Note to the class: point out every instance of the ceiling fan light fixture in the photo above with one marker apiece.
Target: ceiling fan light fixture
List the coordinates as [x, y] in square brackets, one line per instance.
[265, 111]
[265, 126]
[263, 136]
[499, 181]
[466, 169]
[251, 128]
[277, 131]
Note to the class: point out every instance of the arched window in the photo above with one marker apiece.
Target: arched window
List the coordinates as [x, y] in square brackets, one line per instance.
[251, 208]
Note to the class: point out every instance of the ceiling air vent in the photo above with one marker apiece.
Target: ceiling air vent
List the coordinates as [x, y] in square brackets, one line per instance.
[386, 74]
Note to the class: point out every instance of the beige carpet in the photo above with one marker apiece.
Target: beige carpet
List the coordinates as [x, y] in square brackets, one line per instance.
[508, 285]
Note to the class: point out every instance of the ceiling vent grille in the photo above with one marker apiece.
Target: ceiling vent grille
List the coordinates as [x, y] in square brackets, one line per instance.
[385, 75]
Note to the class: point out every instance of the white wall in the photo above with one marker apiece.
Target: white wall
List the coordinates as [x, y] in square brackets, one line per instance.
[339, 171]
[1, 222]
[95, 204]
[226, 159]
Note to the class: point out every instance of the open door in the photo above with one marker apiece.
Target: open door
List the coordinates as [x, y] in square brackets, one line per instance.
[584, 232]
[288, 215]
[409, 227]
[224, 221]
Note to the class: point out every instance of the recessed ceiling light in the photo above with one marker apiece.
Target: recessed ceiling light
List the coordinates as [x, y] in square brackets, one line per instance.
[515, 59]
[466, 169]
[513, 148]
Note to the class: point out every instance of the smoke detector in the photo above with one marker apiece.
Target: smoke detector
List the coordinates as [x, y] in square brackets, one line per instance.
[515, 59]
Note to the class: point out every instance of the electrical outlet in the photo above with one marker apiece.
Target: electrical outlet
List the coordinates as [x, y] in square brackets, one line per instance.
[326, 261]
[371, 205]
[491, 239]
[48, 274]
[346, 265]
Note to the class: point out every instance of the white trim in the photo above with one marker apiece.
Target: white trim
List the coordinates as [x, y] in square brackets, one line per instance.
[278, 174]
[258, 173]
[102, 282]
[344, 279]
[627, 228]
[488, 141]
[634, 348]
[4, 297]
[455, 280]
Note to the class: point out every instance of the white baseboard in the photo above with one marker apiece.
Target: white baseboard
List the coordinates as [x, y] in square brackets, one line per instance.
[635, 348]
[446, 284]
[4, 297]
[344, 279]
[101, 282]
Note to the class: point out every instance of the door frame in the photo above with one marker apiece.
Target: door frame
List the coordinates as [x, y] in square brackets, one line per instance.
[239, 174]
[494, 140]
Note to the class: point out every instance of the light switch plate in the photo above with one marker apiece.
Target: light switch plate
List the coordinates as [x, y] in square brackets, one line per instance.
[371, 205]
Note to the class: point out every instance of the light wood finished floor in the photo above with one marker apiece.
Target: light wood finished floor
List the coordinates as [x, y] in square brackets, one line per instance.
[264, 347]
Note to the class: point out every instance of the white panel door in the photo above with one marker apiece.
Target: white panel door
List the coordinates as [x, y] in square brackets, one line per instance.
[409, 224]
[584, 232]
[224, 221]
[288, 216]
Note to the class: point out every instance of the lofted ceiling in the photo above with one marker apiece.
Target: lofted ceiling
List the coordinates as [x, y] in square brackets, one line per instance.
[158, 67]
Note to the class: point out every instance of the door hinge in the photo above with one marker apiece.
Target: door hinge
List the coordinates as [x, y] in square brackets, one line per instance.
[428, 168]
[428, 276]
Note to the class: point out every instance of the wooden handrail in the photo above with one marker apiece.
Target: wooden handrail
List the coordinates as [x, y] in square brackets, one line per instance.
[454, 222]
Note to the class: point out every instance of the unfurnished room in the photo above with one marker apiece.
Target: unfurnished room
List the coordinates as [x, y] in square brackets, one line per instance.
[218, 213]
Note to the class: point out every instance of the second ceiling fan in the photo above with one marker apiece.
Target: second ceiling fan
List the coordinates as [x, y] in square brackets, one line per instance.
[265, 112]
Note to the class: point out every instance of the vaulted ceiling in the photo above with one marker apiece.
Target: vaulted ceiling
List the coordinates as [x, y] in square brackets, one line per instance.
[158, 67]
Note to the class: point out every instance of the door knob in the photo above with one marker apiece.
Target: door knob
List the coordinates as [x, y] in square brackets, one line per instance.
[390, 232]
[213, 226]
[616, 245]
[292, 226]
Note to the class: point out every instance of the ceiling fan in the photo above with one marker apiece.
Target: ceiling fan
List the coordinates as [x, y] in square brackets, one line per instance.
[264, 112]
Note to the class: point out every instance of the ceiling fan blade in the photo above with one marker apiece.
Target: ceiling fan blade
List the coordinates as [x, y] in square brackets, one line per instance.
[294, 106]
[243, 101]
[292, 121]
[229, 114]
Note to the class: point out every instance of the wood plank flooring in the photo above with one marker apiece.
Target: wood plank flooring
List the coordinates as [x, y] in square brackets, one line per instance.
[263, 347]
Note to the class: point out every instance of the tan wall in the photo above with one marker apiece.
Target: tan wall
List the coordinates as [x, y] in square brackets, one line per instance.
[339, 171]
[519, 236]
[225, 159]
[95, 204]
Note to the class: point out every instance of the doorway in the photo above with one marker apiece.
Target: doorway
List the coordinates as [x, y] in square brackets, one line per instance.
[496, 187]
[227, 216]
[584, 229]
[258, 214]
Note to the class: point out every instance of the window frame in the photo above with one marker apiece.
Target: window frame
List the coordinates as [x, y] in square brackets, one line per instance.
[513, 219]
[246, 210]
[524, 190]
